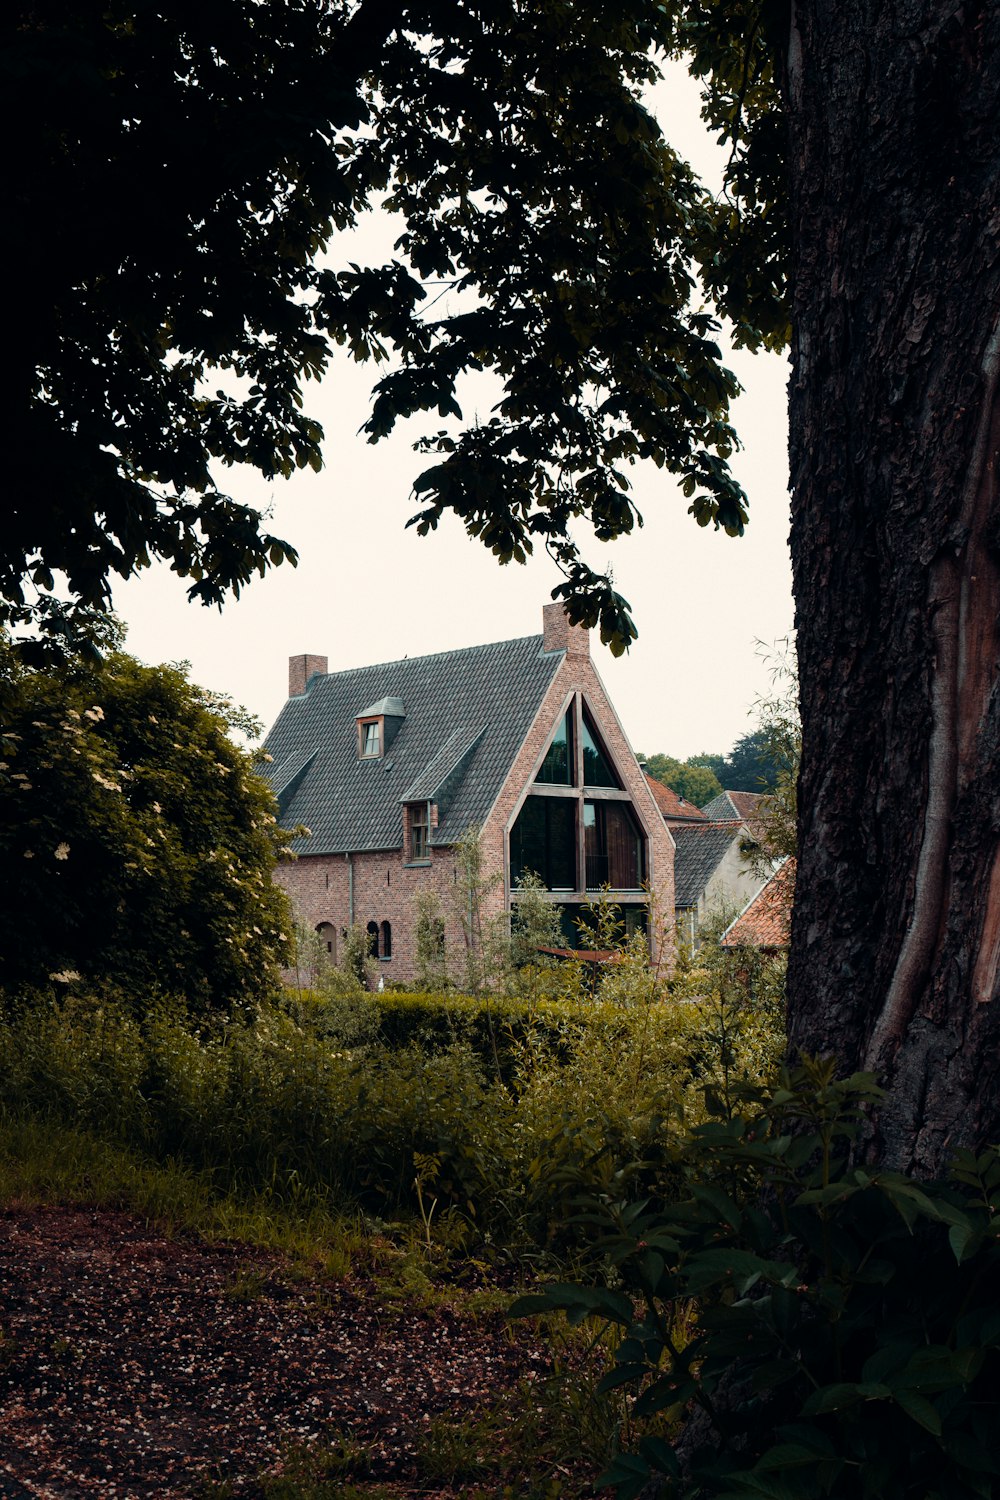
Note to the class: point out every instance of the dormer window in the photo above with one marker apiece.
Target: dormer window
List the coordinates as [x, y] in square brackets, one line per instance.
[369, 738]
[378, 725]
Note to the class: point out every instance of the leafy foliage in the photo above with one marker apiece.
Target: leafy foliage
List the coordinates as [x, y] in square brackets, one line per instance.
[316, 1100]
[136, 839]
[774, 828]
[690, 779]
[184, 173]
[795, 1325]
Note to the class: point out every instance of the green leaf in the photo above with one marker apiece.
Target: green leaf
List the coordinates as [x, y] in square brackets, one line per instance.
[774, 1372]
[789, 1456]
[659, 1455]
[920, 1409]
[964, 1241]
[838, 1397]
[708, 1267]
[627, 1475]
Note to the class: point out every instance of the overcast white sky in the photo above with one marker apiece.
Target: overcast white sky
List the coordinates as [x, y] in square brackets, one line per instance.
[368, 590]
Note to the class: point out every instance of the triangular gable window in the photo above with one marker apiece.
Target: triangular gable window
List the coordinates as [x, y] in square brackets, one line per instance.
[557, 767]
[597, 769]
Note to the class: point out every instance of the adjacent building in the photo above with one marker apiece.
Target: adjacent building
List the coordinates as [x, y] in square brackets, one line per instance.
[389, 766]
[766, 921]
[711, 872]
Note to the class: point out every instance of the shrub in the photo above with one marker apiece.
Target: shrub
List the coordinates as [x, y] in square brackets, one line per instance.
[136, 840]
[516, 1105]
[796, 1325]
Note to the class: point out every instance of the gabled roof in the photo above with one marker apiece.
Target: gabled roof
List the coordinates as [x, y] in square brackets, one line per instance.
[467, 713]
[286, 776]
[673, 807]
[741, 805]
[766, 921]
[701, 848]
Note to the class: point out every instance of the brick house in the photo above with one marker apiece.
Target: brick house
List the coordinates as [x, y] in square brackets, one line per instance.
[388, 766]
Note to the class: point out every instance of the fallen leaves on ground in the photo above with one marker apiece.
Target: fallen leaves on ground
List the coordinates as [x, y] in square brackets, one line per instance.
[132, 1364]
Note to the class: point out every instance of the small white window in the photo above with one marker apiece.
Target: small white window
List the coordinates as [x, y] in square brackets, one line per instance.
[370, 739]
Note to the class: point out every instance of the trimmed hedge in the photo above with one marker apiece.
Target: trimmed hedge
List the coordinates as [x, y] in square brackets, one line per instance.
[497, 1029]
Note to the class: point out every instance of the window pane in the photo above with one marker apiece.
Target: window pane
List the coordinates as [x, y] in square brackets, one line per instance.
[370, 744]
[418, 832]
[543, 841]
[557, 767]
[628, 920]
[596, 766]
[614, 847]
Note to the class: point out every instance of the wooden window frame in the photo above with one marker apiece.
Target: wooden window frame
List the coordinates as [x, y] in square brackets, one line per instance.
[363, 727]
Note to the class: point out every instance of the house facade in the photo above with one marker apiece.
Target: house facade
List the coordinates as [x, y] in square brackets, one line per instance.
[389, 766]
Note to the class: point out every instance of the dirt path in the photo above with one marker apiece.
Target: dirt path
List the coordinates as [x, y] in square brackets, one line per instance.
[134, 1365]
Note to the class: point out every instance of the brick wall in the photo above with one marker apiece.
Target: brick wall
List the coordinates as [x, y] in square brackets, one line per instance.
[578, 674]
[384, 890]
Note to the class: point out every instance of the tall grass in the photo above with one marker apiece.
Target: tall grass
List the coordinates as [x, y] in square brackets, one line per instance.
[307, 1107]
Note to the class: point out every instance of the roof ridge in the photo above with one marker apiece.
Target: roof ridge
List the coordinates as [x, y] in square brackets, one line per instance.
[399, 661]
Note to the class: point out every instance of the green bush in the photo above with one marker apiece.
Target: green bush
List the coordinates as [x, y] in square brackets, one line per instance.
[795, 1325]
[136, 840]
[514, 1106]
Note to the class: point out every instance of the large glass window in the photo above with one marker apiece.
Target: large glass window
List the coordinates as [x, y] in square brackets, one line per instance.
[577, 923]
[557, 767]
[613, 847]
[596, 765]
[543, 841]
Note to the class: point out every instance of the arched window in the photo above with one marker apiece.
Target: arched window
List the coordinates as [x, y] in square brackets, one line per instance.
[327, 934]
[372, 931]
[385, 948]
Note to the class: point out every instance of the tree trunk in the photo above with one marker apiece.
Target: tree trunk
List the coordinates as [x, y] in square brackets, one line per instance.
[895, 418]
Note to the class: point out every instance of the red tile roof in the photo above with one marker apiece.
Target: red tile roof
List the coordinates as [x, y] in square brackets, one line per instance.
[673, 807]
[766, 922]
[745, 803]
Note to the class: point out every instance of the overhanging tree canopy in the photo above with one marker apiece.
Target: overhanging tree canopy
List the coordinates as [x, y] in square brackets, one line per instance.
[185, 166]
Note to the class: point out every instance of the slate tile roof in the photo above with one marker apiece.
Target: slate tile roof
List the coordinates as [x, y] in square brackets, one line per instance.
[447, 767]
[672, 806]
[741, 805]
[466, 715]
[700, 849]
[766, 922]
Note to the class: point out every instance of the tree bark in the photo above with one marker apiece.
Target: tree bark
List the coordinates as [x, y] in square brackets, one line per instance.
[894, 113]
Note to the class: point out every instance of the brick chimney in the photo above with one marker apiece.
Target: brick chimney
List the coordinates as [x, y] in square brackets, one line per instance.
[559, 635]
[300, 669]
